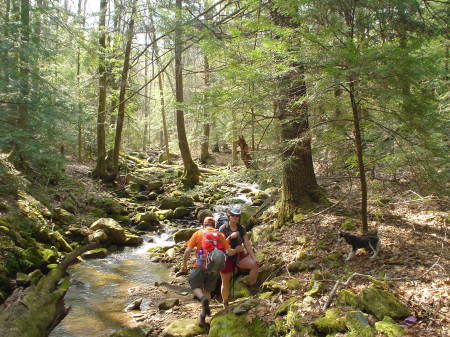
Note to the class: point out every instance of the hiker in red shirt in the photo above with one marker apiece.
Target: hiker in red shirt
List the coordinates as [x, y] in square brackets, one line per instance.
[211, 247]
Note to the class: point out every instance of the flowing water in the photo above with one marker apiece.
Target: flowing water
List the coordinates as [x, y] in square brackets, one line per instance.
[99, 290]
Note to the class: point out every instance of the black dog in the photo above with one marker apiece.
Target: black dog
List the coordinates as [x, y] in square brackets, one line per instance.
[370, 241]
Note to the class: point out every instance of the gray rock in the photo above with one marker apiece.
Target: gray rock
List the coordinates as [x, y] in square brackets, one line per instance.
[114, 231]
[168, 303]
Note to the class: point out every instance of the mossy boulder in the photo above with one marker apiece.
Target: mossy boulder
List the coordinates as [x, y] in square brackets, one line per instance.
[247, 212]
[333, 321]
[381, 303]
[114, 231]
[108, 205]
[183, 328]
[202, 214]
[130, 332]
[63, 217]
[277, 284]
[299, 266]
[260, 232]
[240, 289]
[146, 221]
[389, 327]
[284, 307]
[133, 240]
[233, 325]
[180, 212]
[184, 234]
[164, 214]
[172, 202]
[348, 298]
[358, 324]
[98, 253]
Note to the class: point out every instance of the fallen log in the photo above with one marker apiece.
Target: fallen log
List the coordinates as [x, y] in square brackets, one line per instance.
[36, 310]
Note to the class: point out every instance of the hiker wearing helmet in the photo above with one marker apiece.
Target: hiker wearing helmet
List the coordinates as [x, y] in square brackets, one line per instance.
[244, 257]
[210, 247]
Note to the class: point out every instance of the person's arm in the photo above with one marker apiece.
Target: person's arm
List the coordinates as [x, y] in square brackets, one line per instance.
[228, 250]
[249, 247]
[186, 255]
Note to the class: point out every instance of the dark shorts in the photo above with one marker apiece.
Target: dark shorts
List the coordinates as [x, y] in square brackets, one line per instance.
[200, 278]
[231, 262]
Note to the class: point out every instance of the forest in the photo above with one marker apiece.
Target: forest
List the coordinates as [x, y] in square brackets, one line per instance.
[123, 124]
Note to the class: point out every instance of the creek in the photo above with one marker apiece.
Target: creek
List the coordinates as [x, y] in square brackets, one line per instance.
[99, 290]
[100, 287]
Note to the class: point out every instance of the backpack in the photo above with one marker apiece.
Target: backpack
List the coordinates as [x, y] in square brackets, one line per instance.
[213, 250]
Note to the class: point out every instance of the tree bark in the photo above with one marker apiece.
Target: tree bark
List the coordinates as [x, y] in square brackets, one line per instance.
[299, 185]
[191, 174]
[234, 151]
[146, 100]
[161, 93]
[359, 153]
[80, 110]
[24, 62]
[122, 93]
[100, 169]
[204, 151]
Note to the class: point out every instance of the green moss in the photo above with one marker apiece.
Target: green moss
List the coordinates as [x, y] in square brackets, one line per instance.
[293, 284]
[333, 321]
[35, 276]
[357, 323]
[316, 288]
[130, 332]
[232, 325]
[240, 289]
[334, 257]
[381, 303]
[348, 298]
[265, 295]
[388, 327]
[284, 307]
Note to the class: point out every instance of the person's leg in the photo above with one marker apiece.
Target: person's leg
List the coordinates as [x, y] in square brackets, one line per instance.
[197, 280]
[249, 263]
[225, 290]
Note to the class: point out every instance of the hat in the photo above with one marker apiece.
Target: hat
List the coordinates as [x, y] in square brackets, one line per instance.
[209, 220]
[234, 211]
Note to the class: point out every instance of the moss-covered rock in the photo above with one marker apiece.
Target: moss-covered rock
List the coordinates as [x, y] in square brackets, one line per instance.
[293, 284]
[130, 332]
[316, 288]
[389, 327]
[358, 324]
[381, 303]
[108, 205]
[146, 221]
[61, 216]
[98, 253]
[172, 202]
[232, 325]
[333, 321]
[260, 232]
[298, 266]
[114, 231]
[247, 212]
[180, 212]
[348, 298]
[277, 284]
[184, 234]
[183, 328]
[240, 289]
[164, 214]
[133, 240]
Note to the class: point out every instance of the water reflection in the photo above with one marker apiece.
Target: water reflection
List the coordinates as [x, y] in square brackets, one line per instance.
[98, 294]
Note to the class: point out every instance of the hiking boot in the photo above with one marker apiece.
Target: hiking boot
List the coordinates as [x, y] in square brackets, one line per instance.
[205, 307]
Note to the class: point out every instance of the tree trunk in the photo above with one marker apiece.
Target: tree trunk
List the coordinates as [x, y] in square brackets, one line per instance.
[24, 62]
[359, 153]
[122, 93]
[204, 151]
[100, 169]
[191, 174]
[36, 310]
[299, 185]
[161, 93]
[146, 100]
[234, 151]
[80, 110]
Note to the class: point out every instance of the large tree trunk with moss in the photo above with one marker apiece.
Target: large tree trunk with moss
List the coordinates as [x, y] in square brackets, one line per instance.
[299, 185]
[191, 174]
[36, 310]
[122, 93]
[100, 168]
